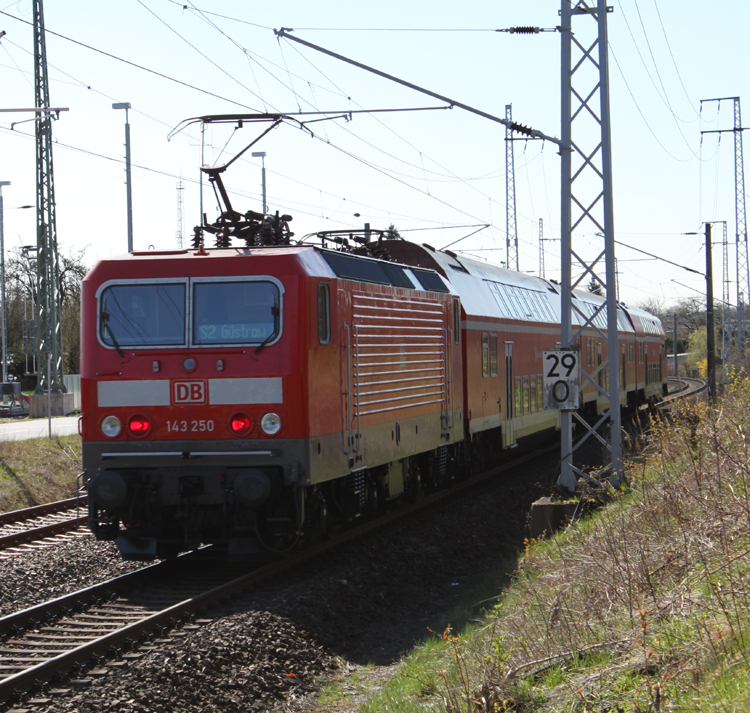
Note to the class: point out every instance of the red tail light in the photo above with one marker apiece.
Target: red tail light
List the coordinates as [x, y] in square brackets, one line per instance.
[241, 423]
[139, 426]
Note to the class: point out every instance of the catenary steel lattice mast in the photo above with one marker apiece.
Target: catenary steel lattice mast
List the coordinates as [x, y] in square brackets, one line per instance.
[48, 266]
[743, 272]
[511, 237]
[586, 206]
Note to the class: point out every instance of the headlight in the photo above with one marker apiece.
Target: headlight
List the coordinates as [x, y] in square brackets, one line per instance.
[270, 423]
[111, 426]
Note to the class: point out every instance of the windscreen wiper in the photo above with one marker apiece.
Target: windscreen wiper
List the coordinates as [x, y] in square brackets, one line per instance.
[275, 313]
[105, 322]
[265, 341]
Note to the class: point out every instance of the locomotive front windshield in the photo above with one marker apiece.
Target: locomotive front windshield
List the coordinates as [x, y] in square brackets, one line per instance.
[244, 312]
[142, 315]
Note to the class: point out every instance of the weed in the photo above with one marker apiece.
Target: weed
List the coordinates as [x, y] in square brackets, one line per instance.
[38, 471]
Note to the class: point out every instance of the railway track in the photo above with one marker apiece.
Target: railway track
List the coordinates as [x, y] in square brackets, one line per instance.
[684, 388]
[40, 523]
[50, 639]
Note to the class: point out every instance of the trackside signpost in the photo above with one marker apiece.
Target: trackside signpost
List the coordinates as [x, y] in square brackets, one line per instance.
[562, 379]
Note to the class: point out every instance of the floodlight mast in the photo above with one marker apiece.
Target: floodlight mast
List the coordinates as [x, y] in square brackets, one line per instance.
[128, 181]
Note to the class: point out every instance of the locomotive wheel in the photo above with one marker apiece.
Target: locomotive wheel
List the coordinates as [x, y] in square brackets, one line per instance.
[167, 551]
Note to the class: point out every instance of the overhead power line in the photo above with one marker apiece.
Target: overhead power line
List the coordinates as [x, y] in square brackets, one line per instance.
[133, 64]
[663, 259]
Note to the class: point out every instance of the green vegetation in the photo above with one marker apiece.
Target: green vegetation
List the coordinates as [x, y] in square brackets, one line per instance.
[38, 471]
[645, 606]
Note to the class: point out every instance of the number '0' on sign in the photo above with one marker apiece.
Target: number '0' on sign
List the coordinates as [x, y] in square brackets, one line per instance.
[561, 379]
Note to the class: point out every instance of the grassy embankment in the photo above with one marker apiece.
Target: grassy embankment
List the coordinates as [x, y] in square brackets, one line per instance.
[643, 606]
[40, 470]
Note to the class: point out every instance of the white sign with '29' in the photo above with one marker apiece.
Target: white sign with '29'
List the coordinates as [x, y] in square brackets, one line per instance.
[562, 379]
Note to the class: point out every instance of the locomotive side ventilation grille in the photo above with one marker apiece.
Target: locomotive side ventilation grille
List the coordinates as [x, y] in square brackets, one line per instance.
[399, 354]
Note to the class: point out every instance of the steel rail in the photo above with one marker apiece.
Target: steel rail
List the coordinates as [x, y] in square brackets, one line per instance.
[45, 509]
[691, 387]
[35, 534]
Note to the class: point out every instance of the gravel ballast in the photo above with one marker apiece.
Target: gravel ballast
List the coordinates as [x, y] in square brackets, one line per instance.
[366, 602]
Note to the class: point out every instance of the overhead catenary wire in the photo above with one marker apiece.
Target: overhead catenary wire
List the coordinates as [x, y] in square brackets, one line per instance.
[372, 165]
[132, 64]
[164, 76]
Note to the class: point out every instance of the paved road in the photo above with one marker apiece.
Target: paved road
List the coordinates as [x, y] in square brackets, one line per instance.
[38, 428]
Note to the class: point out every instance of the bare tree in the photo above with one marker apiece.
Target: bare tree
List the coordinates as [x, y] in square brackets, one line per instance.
[21, 294]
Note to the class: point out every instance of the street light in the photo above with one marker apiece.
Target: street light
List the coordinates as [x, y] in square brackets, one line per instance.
[2, 287]
[126, 106]
[262, 156]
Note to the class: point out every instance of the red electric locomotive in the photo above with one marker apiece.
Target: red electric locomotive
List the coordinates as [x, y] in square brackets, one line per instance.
[238, 395]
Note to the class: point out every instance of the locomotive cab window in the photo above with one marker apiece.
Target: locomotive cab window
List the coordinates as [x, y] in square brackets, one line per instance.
[236, 312]
[142, 315]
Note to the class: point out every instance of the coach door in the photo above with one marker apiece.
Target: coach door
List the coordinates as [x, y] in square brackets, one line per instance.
[509, 438]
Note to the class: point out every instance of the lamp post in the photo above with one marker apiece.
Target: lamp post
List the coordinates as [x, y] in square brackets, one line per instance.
[126, 106]
[262, 156]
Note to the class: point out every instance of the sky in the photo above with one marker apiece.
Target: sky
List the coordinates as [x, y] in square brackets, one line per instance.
[437, 174]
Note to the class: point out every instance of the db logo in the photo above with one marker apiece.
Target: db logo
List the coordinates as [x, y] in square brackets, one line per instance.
[189, 392]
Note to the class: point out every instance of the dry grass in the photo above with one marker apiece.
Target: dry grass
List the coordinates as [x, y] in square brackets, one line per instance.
[38, 471]
[644, 606]
[647, 603]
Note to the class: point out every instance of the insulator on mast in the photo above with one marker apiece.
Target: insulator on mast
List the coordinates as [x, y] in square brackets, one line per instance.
[521, 129]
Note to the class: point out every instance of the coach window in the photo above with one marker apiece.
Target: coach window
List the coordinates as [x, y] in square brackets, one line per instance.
[324, 313]
[519, 406]
[526, 402]
[493, 354]
[236, 312]
[142, 315]
[532, 399]
[485, 355]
